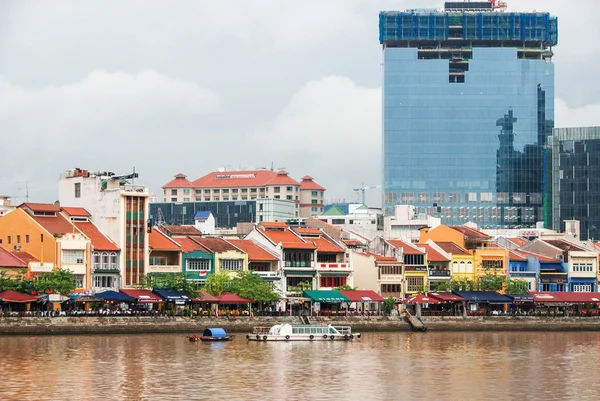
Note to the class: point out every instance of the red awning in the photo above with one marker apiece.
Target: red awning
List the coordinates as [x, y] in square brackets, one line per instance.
[446, 296]
[546, 297]
[362, 296]
[421, 299]
[566, 297]
[143, 296]
[205, 298]
[17, 297]
[229, 298]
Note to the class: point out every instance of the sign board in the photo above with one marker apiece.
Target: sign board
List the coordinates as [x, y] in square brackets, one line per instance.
[317, 306]
[54, 297]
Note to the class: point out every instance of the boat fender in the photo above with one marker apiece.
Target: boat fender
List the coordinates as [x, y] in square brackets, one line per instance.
[265, 338]
[359, 336]
[351, 336]
[257, 337]
[324, 335]
[287, 337]
[345, 336]
[311, 337]
[331, 336]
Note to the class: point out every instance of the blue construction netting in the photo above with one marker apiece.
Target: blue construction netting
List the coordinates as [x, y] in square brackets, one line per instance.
[412, 25]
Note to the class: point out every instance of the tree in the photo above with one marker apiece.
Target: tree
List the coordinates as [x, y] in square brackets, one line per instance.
[491, 281]
[248, 284]
[59, 281]
[218, 283]
[346, 288]
[19, 282]
[457, 284]
[172, 281]
[389, 305]
[517, 287]
[302, 285]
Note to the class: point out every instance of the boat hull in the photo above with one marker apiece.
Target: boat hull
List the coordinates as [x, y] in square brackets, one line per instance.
[267, 337]
[216, 339]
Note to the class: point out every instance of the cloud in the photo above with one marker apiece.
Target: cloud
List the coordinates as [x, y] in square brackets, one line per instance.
[331, 130]
[106, 120]
[568, 116]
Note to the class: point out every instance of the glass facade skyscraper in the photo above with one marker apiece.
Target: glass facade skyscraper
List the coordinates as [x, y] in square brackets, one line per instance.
[468, 105]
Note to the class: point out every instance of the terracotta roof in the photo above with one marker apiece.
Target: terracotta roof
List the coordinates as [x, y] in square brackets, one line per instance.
[518, 241]
[183, 230]
[451, 247]
[215, 244]
[512, 255]
[307, 230]
[244, 178]
[470, 233]
[76, 211]
[352, 242]
[180, 181]
[254, 251]
[542, 258]
[432, 254]
[14, 296]
[308, 183]
[324, 245]
[273, 224]
[287, 238]
[55, 225]
[189, 245]
[161, 242]
[386, 259]
[100, 242]
[564, 245]
[8, 259]
[407, 248]
[40, 207]
[25, 256]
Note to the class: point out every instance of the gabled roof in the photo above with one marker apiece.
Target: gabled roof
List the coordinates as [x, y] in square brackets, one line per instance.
[324, 245]
[76, 211]
[307, 230]
[542, 258]
[215, 244]
[281, 233]
[432, 254]
[564, 245]
[244, 178]
[182, 230]
[25, 256]
[334, 211]
[518, 241]
[8, 259]
[451, 247]
[352, 242]
[516, 256]
[471, 233]
[180, 181]
[407, 248]
[40, 207]
[255, 252]
[100, 242]
[55, 225]
[159, 241]
[202, 214]
[189, 245]
[308, 183]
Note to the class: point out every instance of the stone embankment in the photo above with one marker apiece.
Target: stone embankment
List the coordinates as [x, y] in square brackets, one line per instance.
[133, 325]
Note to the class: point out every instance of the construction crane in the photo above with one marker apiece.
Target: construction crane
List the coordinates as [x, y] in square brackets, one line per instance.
[363, 189]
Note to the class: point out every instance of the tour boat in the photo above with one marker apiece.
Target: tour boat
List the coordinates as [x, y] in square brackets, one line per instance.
[302, 332]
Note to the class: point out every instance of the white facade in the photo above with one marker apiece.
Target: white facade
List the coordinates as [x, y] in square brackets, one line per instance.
[361, 220]
[275, 210]
[206, 225]
[406, 223]
[6, 205]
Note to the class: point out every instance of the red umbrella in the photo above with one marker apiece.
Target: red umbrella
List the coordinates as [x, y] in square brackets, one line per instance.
[421, 299]
[229, 298]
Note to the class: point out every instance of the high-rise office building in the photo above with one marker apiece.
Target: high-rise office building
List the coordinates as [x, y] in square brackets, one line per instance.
[468, 105]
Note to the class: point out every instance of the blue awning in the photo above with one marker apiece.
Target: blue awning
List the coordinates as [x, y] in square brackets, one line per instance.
[172, 296]
[520, 297]
[114, 296]
[214, 332]
[484, 297]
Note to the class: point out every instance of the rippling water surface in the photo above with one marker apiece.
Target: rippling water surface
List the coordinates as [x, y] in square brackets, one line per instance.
[379, 366]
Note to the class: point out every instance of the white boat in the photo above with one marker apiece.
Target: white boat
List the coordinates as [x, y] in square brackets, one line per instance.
[302, 332]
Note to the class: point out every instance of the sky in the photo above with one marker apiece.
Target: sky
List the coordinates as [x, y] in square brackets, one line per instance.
[193, 86]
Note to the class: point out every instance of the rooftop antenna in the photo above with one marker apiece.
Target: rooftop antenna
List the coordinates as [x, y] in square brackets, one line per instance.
[26, 188]
[272, 168]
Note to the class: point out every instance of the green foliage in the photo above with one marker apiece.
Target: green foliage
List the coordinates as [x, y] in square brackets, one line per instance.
[389, 305]
[517, 287]
[59, 281]
[19, 283]
[302, 285]
[218, 283]
[248, 284]
[172, 281]
[491, 282]
[456, 284]
[346, 288]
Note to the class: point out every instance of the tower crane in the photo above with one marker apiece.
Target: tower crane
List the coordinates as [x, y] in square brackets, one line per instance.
[363, 189]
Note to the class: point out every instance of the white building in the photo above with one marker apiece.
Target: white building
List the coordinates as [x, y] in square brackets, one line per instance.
[361, 219]
[119, 208]
[205, 222]
[6, 205]
[406, 223]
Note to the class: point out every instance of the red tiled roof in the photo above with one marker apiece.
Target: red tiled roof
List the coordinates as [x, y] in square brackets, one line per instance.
[470, 233]
[268, 224]
[362, 296]
[189, 245]
[143, 296]
[432, 254]
[254, 251]
[407, 248]
[215, 244]
[25, 256]
[180, 181]
[160, 242]
[352, 242]
[564, 245]
[13, 296]
[325, 246]
[542, 258]
[40, 207]
[451, 247]
[8, 259]
[55, 225]
[308, 183]
[518, 241]
[100, 242]
[287, 238]
[248, 178]
[512, 255]
[385, 259]
[307, 230]
[183, 230]
[445, 296]
[76, 211]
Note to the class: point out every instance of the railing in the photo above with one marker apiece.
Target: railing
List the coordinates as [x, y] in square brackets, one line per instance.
[391, 277]
[165, 268]
[343, 329]
[266, 274]
[289, 263]
[333, 266]
[439, 273]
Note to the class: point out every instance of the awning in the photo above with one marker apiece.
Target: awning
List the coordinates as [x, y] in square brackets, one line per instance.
[143, 296]
[334, 274]
[520, 297]
[300, 272]
[446, 296]
[87, 298]
[566, 297]
[484, 297]
[546, 297]
[229, 298]
[205, 298]
[214, 332]
[362, 296]
[17, 297]
[330, 296]
[421, 299]
[114, 296]
[172, 296]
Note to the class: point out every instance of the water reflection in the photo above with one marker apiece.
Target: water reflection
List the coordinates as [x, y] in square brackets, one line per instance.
[380, 366]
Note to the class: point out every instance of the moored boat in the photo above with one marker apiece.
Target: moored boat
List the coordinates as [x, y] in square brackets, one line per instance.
[215, 334]
[302, 332]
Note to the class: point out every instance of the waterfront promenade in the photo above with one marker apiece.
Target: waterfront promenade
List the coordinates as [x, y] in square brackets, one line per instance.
[163, 324]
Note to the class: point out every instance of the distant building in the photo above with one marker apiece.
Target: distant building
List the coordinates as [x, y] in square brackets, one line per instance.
[366, 221]
[312, 197]
[406, 222]
[6, 205]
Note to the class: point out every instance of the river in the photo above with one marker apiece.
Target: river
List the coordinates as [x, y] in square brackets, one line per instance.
[379, 366]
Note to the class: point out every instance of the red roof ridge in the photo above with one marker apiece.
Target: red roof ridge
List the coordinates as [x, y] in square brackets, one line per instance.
[104, 243]
[159, 232]
[180, 181]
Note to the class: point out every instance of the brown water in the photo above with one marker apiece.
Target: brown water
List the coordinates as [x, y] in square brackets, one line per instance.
[379, 366]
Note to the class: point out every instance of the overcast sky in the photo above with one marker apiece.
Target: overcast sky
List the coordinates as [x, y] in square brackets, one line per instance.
[191, 86]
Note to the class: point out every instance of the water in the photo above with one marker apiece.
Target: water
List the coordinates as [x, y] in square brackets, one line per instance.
[379, 366]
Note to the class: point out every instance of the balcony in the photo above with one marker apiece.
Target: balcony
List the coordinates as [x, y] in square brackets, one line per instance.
[75, 268]
[268, 275]
[334, 266]
[439, 273]
[391, 278]
[164, 269]
[296, 265]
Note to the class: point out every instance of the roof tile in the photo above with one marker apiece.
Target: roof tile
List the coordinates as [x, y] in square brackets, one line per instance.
[100, 242]
[160, 242]
[255, 252]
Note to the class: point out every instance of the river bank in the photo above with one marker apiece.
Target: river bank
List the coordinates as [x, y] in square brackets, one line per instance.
[133, 325]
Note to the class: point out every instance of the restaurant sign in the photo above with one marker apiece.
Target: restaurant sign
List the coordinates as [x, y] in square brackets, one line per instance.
[415, 268]
[554, 280]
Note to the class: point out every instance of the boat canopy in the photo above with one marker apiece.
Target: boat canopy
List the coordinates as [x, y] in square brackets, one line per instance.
[214, 332]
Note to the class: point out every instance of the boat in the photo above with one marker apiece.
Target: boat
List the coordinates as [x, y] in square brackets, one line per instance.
[215, 334]
[302, 332]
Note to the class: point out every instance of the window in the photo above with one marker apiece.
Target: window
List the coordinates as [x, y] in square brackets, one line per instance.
[173, 192]
[72, 257]
[105, 260]
[462, 267]
[332, 281]
[77, 189]
[158, 261]
[315, 193]
[469, 267]
[18, 239]
[217, 198]
[216, 191]
[261, 190]
[491, 264]
[27, 238]
[455, 267]
[396, 270]
[289, 189]
[104, 282]
[234, 198]
[289, 197]
[207, 191]
[41, 237]
[582, 288]
[79, 280]
[186, 191]
[198, 264]
[276, 189]
[173, 199]
[226, 198]
[471, 197]
[314, 209]
[186, 199]
[414, 284]
[245, 190]
[9, 239]
[234, 190]
[314, 201]
[207, 198]
[277, 197]
[198, 192]
[225, 191]
[113, 260]
[391, 288]
[230, 264]
[96, 261]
